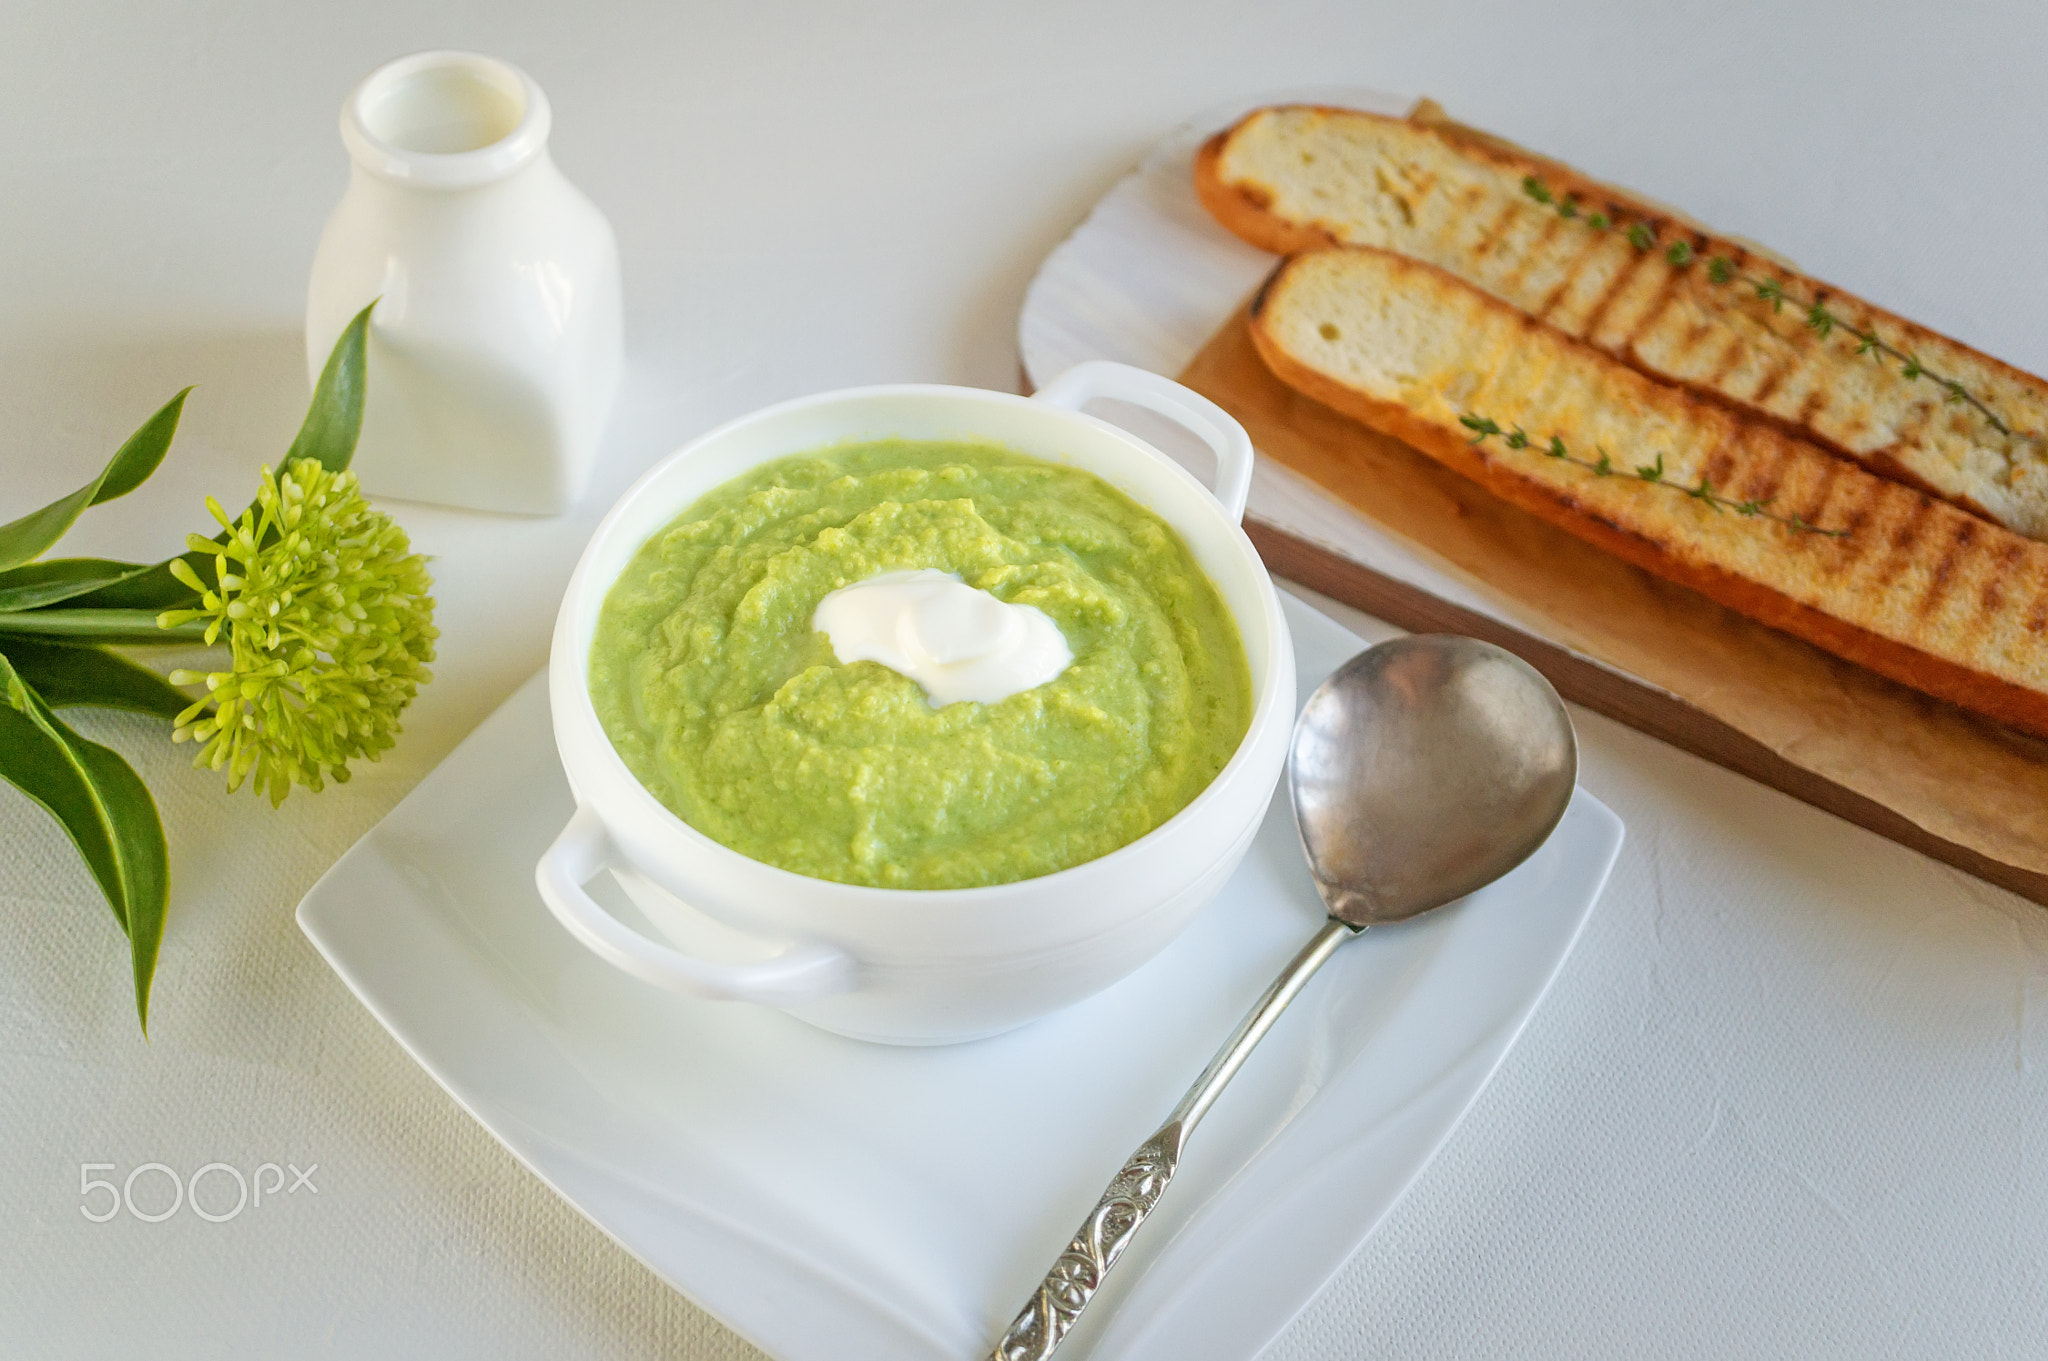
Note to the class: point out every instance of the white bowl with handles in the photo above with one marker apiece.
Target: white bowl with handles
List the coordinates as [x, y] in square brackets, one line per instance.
[911, 966]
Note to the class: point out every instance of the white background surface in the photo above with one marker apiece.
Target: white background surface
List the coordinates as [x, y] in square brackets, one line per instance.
[1787, 1097]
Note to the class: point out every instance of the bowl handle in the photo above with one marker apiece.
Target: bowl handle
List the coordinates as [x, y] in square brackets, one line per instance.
[1185, 407]
[805, 971]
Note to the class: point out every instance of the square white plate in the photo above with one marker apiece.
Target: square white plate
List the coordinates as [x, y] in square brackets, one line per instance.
[836, 1200]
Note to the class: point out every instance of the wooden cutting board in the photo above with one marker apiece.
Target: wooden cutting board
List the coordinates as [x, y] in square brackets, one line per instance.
[1652, 655]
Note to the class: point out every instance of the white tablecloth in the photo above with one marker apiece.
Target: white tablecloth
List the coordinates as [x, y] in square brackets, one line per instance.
[1786, 1099]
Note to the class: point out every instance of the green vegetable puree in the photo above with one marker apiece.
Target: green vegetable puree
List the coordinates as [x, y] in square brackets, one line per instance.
[721, 698]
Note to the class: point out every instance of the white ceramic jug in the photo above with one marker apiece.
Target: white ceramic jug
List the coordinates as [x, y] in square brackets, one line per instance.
[495, 346]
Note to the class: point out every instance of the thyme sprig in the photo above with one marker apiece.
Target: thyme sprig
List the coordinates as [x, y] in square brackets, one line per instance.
[1484, 428]
[1820, 319]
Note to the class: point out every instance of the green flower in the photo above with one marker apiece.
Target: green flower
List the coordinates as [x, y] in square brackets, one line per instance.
[327, 618]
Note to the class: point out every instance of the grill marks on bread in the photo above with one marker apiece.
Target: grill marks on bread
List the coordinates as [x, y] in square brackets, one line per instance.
[1918, 589]
[1462, 208]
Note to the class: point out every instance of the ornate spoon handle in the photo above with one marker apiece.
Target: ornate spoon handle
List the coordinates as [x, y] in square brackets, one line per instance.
[1056, 1305]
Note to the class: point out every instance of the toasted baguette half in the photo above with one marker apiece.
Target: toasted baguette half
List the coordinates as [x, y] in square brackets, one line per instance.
[1901, 582]
[1299, 178]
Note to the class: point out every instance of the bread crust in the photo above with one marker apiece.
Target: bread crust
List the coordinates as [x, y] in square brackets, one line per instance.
[1260, 224]
[1936, 674]
[1242, 214]
[1960, 467]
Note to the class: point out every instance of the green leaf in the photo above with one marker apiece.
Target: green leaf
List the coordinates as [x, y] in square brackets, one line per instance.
[44, 583]
[335, 418]
[151, 590]
[69, 676]
[98, 626]
[28, 538]
[103, 806]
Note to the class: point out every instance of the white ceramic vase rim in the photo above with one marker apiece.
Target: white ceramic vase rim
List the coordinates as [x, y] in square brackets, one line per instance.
[446, 170]
[989, 897]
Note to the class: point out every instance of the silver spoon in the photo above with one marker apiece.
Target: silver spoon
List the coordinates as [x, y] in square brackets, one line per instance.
[1423, 769]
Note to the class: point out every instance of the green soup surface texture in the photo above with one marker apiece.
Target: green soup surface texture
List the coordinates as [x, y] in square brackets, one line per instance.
[721, 698]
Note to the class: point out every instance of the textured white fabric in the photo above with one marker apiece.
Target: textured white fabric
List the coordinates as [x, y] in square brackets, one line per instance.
[1785, 1100]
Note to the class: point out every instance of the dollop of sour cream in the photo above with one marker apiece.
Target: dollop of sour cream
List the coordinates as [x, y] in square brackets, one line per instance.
[955, 641]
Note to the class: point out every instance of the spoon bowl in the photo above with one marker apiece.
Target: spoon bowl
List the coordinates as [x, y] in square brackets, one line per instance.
[1423, 769]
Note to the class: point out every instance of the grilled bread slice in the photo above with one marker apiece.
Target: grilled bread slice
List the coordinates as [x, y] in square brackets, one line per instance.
[1603, 270]
[1774, 527]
